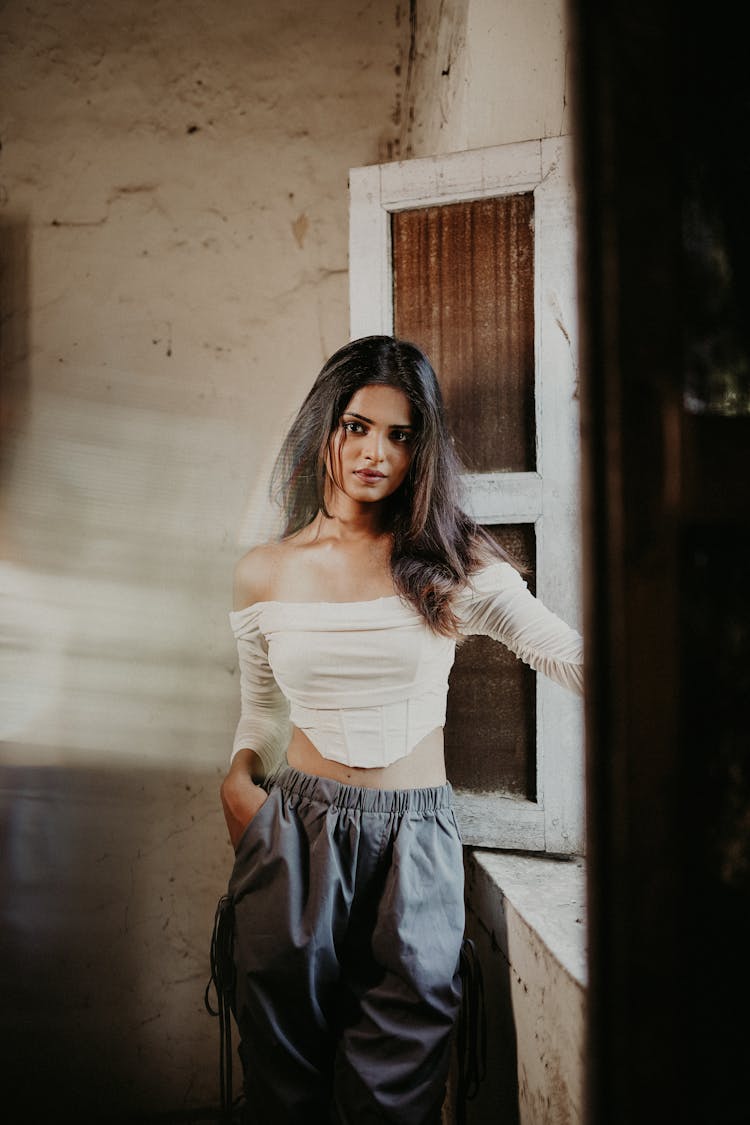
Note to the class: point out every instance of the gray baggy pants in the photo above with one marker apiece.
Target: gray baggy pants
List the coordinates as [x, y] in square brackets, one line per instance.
[348, 923]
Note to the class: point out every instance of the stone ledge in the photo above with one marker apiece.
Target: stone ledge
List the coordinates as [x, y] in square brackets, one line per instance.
[549, 895]
[526, 914]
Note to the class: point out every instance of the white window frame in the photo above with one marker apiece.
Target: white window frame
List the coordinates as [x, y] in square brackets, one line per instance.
[550, 497]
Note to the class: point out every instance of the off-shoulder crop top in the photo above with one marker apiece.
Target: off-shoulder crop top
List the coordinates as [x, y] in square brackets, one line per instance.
[366, 681]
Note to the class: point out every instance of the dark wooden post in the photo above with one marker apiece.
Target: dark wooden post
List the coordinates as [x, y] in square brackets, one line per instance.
[661, 121]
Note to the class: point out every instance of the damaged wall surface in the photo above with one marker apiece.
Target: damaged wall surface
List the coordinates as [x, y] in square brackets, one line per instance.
[173, 243]
[174, 272]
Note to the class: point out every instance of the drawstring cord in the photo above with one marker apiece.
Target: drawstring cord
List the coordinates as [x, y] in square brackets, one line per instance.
[222, 979]
[472, 1030]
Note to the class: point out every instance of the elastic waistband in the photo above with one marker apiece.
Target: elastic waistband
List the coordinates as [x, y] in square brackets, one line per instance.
[360, 797]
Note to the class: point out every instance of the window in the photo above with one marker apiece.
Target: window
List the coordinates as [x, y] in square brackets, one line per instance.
[472, 256]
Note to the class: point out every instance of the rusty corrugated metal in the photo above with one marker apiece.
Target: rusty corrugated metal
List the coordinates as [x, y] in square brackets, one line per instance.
[490, 730]
[463, 278]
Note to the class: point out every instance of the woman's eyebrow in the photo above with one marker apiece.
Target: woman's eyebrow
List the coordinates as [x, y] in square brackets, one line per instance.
[369, 421]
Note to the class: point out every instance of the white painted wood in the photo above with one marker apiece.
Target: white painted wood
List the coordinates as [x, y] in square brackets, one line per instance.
[549, 497]
[559, 714]
[503, 497]
[516, 825]
[501, 170]
[370, 284]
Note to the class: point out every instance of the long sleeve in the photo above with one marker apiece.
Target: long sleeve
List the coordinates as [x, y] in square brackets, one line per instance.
[499, 604]
[264, 716]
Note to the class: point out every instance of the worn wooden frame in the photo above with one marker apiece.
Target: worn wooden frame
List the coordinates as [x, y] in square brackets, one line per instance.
[549, 497]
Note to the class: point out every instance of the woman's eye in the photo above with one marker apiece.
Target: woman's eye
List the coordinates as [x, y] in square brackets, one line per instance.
[353, 427]
[401, 435]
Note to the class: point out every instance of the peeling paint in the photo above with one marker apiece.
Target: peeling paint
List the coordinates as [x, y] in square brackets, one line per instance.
[300, 227]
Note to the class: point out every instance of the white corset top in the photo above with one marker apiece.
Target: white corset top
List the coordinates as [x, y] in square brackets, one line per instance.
[366, 681]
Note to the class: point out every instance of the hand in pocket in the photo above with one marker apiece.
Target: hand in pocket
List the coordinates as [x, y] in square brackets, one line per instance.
[241, 800]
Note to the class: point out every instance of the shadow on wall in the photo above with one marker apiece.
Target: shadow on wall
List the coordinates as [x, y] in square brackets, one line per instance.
[14, 340]
[497, 1098]
[107, 895]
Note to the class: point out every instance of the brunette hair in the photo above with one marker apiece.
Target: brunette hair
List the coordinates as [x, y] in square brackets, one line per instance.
[436, 545]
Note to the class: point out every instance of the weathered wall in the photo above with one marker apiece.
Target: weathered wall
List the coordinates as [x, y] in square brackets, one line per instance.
[479, 73]
[179, 173]
[530, 939]
[174, 257]
[173, 235]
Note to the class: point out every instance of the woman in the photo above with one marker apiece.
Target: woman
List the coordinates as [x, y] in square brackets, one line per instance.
[347, 888]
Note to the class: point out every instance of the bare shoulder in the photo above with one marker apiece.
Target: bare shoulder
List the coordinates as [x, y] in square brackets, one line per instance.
[261, 574]
[254, 575]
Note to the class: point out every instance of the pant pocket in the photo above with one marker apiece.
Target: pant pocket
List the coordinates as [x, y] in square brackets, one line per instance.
[256, 845]
[255, 823]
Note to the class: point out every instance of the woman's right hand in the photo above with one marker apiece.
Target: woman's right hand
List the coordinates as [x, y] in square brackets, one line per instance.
[240, 796]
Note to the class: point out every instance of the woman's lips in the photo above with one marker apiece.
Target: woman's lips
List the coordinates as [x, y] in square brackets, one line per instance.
[369, 474]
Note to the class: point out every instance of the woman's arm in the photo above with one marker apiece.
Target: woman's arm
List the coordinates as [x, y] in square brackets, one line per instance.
[263, 730]
[500, 605]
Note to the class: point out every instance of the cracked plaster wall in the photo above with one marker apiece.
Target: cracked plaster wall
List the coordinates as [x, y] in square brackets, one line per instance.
[173, 237]
[479, 72]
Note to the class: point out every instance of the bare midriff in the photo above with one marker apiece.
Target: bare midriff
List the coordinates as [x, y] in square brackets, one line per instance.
[422, 767]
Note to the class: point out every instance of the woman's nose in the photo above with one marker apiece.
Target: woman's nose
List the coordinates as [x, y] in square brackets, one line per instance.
[374, 446]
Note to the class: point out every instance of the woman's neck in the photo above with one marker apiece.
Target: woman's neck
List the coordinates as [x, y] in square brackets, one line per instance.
[348, 519]
[349, 527]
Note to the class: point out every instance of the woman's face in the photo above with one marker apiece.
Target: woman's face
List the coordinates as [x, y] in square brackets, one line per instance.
[373, 445]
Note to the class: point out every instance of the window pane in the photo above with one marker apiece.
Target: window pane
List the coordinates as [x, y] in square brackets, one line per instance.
[490, 731]
[463, 290]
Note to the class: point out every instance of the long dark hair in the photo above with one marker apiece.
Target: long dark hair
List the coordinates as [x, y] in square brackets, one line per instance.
[436, 545]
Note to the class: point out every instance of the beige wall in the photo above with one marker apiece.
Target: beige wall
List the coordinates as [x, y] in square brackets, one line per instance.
[174, 238]
[179, 172]
[485, 72]
[174, 271]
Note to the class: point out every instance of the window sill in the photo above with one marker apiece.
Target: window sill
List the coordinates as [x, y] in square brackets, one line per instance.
[547, 895]
[526, 915]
